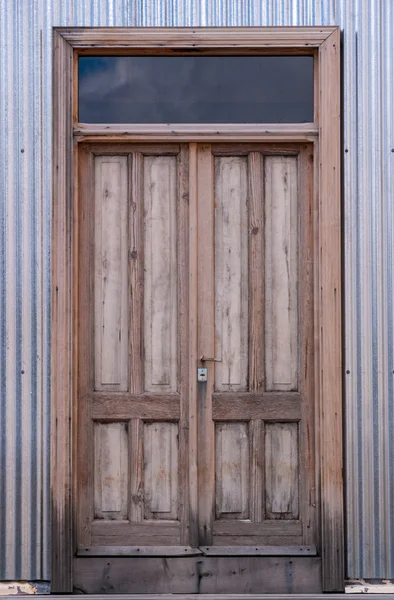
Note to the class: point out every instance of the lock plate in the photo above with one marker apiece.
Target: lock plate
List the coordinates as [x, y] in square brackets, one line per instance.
[202, 374]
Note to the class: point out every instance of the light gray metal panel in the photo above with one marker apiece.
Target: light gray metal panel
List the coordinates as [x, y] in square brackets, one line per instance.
[25, 211]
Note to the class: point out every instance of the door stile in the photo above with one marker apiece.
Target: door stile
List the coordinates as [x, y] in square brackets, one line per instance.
[256, 325]
[206, 342]
[307, 366]
[84, 501]
[183, 338]
[192, 351]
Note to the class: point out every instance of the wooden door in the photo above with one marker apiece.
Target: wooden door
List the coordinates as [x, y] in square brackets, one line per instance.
[195, 256]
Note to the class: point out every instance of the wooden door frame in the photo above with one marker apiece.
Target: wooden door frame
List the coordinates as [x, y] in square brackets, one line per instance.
[324, 44]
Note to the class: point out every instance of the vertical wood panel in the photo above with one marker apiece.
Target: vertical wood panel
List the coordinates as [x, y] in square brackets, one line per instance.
[136, 466]
[183, 337]
[256, 273]
[192, 354]
[111, 268]
[329, 307]
[281, 273]
[281, 470]
[160, 293]
[161, 470]
[256, 470]
[232, 470]
[231, 273]
[136, 270]
[111, 471]
[62, 346]
[206, 341]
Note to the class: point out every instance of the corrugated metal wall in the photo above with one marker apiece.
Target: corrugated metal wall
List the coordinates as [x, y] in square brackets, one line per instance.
[25, 209]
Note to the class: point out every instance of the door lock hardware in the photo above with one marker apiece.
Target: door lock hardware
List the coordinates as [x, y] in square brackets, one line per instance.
[202, 374]
[209, 359]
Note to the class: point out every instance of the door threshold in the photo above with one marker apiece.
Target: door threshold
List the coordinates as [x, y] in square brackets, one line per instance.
[207, 596]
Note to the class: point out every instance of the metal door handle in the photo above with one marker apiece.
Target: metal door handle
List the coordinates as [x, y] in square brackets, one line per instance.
[209, 359]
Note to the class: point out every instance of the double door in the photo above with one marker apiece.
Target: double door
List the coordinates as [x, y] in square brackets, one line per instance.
[195, 435]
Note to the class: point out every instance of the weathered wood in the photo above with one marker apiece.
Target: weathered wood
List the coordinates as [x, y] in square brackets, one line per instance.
[231, 274]
[62, 347]
[259, 550]
[206, 342]
[197, 37]
[144, 406]
[281, 471]
[136, 465]
[111, 343]
[308, 487]
[84, 351]
[256, 470]
[136, 271]
[232, 471]
[268, 406]
[281, 273]
[329, 323]
[326, 274]
[256, 274]
[160, 264]
[139, 551]
[194, 133]
[193, 311]
[257, 540]
[199, 575]
[183, 338]
[242, 528]
[111, 471]
[149, 528]
[161, 486]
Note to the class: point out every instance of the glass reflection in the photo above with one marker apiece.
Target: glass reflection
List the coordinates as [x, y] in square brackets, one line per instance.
[196, 89]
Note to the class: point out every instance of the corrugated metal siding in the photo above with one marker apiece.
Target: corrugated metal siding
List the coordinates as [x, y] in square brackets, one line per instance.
[25, 209]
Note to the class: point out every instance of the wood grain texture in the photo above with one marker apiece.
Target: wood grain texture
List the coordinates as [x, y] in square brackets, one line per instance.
[232, 471]
[139, 551]
[136, 470]
[199, 575]
[256, 271]
[206, 342]
[183, 338]
[61, 319]
[256, 470]
[111, 481]
[161, 485]
[193, 333]
[166, 133]
[281, 273]
[231, 273]
[327, 323]
[329, 326]
[84, 338]
[259, 550]
[129, 406]
[136, 271]
[111, 340]
[266, 528]
[270, 406]
[196, 37]
[281, 471]
[160, 264]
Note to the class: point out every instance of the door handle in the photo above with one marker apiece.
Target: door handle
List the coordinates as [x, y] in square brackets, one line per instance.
[209, 359]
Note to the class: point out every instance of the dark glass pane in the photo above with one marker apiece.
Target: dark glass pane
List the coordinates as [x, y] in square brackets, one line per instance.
[196, 89]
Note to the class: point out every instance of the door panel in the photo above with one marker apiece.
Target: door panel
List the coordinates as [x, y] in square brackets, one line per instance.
[133, 379]
[250, 313]
[259, 410]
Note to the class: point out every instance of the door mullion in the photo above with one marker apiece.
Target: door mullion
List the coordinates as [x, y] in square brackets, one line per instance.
[206, 340]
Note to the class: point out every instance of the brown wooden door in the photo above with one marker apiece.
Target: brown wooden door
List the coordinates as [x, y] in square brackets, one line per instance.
[195, 256]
